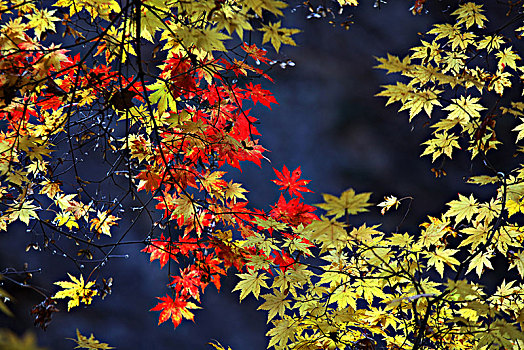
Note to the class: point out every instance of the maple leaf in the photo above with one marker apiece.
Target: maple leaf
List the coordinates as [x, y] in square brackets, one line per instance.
[50, 188]
[255, 53]
[250, 283]
[442, 143]
[65, 219]
[293, 212]
[103, 222]
[393, 64]
[507, 58]
[234, 191]
[161, 249]
[275, 303]
[469, 14]
[10, 341]
[518, 262]
[290, 181]
[388, 203]
[24, 212]
[42, 20]
[490, 43]
[282, 331]
[4, 296]
[78, 291]
[480, 261]
[520, 129]
[463, 208]
[188, 283]
[257, 94]
[348, 2]
[84, 342]
[441, 256]
[464, 109]
[277, 35]
[80, 210]
[500, 81]
[476, 235]
[219, 346]
[348, 203]
[64, 201]
[175, 310]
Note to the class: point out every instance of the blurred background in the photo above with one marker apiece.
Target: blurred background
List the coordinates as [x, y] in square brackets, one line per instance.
[329, 123]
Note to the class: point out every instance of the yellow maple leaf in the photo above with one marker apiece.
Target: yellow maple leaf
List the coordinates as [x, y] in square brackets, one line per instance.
[84, 342]
[490, 43]
[50, 188]
[348, 2]
[10, 341]
[64, 201]
[347, 203]
[442, 143]
[65, 219]
[282, 331]
[24, 212]
[78, 291]
[42, 20]
[250, 283]
[464, 109]
[440, 257]
[463, 208]
[103, 222]
[393, 64]
[518, 262]
[520, 129]
[388, 203]
[219, 346]
[234, 191]
[277, 35]
[500, 81]
[507, 58]
[470, 14]
[480, 261]
[423, 99]
[275, 303]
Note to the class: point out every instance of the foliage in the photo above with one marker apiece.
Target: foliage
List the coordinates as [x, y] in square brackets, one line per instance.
[10, 341]
[163, 93]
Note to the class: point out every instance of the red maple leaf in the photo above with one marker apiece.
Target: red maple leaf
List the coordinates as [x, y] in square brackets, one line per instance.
[188, 283]
[161, 249]
[283, 260]
[291, 182]
[255, 53]
[257, 94]
[293, 212]
[174, 310]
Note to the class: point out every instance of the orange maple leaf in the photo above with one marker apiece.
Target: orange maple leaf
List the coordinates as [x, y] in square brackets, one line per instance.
[161, 249]
[174, 310]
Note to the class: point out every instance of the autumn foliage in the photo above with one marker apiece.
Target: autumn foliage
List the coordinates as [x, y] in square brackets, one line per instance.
[163, 95]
